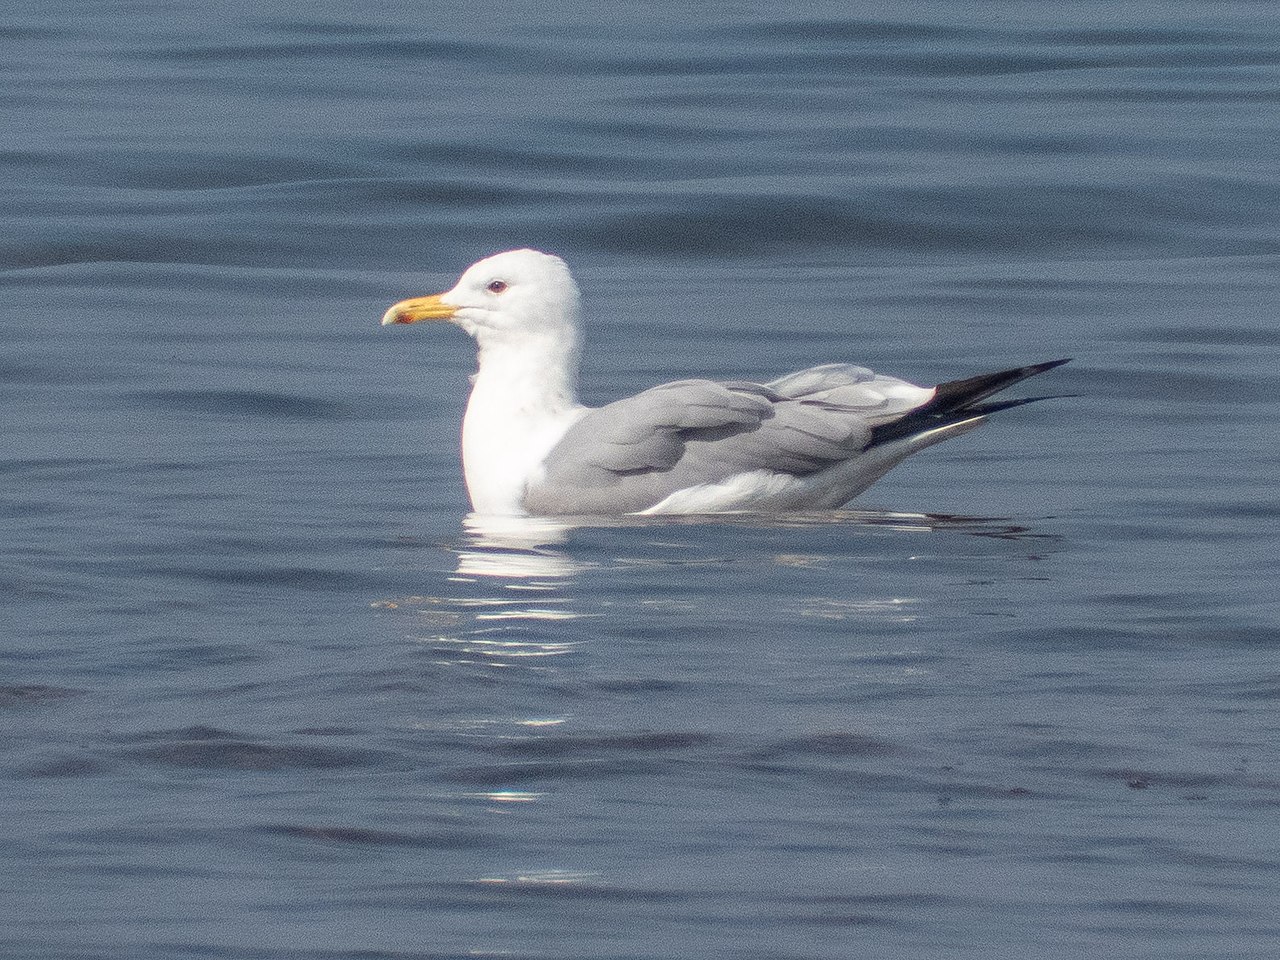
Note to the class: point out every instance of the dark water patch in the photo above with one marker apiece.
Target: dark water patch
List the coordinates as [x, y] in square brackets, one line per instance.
[267, 404]
[906, 900]
[548, 159]
[905, 661]
[210, 287]
[146, 168]
[439, 197]
[54, 469]
[1049, 48]
[1210, 631]
[246, 755]
[643, 135]
[1157, 93]
[949, 792]
[1263, 689]
[1006, 218]
[19, 372]
[118, 246]
[271, 54]
[1240, 509]
[211, 748]
[832, 744]
[1075, 289]
[842, 917]
[584, 771]
[844, 31]
[66, 767]
[166, 949]
[1153, 602]
[1200, 335]
[297, 577]
[1180, 908]
[878, 56]
[183, 654]
[1204, 857]
[375, 837]
[162, 466]
[327, 732]
[1181, 36]
[1010, 218]
[843, 773]
[141, 835]
[639, 685]
[27, 31]
[16, 696]
[196, 732]
[344, 28]
[1091, 636]
[1003, 143]
[1061, 750]
[1137, 779]
[886, 910]
[871, 59]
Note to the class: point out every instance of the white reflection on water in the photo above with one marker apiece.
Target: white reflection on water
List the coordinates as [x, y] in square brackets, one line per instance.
[513, 578]
[507, 587]
[520, 549]
[469, 648]
[543, 878]
[508, 796]
[898, 609]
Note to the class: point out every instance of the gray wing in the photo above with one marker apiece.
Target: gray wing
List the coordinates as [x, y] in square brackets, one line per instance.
[842, 386]
[631, 454]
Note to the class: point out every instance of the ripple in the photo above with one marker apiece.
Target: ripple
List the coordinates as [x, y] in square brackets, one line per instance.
[215, 749]
[267, 404]
[834, 744]
[67, 767]
[376, 837]
[576, 745]
[14, 696]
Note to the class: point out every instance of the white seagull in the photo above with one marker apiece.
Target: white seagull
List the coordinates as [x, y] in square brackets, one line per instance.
[813, 439]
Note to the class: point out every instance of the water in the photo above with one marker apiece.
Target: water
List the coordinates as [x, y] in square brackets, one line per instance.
[266, 692]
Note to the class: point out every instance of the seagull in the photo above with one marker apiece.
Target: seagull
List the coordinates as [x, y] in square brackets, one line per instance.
[810, 440]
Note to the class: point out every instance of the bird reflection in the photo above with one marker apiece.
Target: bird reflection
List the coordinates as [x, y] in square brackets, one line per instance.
[507, 589]
[507, 602]
[519, 549]
[513, 598]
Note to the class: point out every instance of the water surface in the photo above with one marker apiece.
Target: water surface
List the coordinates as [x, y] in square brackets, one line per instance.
[266, 691]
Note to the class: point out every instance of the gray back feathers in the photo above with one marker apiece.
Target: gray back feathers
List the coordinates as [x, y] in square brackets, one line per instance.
[631, 454]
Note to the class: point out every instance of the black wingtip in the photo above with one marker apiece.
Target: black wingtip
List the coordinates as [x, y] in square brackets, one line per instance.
[959, 393]
[996, 406]
[958, 400]
[1049, 365]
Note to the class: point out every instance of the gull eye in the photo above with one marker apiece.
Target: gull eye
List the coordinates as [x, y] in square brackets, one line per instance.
[496, 286]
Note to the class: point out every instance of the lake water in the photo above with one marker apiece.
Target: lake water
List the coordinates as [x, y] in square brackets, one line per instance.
[267, 692]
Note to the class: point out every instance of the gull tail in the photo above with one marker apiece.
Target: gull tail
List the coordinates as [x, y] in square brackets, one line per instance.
[960, 402]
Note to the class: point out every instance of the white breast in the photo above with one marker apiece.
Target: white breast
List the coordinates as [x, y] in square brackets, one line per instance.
[502, 448]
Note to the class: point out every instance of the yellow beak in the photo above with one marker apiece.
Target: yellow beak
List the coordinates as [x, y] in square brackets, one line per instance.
[419, 308]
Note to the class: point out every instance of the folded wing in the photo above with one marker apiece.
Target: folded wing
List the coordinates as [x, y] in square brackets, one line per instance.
[632, 454]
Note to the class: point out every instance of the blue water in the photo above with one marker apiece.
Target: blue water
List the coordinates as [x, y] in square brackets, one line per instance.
[266, 692]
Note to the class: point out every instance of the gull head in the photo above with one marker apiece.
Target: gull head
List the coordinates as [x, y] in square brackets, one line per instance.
[509, 298]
